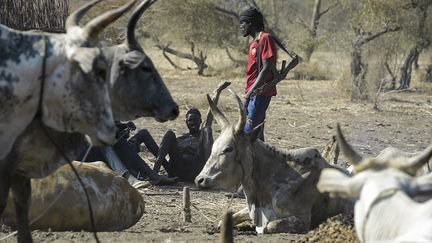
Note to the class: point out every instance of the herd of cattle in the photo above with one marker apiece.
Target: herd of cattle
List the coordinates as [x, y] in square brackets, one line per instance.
[54, 88]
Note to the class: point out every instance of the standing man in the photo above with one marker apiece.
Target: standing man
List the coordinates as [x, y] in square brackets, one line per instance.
[260, 69]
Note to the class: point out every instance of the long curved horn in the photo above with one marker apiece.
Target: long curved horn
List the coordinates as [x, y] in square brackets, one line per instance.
[74, 18]
[418, 161]
[219, 117]
[96, 25]
[242, 117]
[130, 33]
[353, 157]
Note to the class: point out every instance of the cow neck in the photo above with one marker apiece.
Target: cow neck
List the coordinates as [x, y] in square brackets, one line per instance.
[387, 193]
[249, 182]
[43, 76]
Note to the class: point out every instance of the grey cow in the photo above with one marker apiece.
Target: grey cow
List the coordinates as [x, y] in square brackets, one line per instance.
[55, 81]
[147, 97]
[280, 186]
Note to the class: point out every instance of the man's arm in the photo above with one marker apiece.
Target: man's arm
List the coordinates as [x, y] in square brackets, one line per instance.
[215, 97]
[268, 69]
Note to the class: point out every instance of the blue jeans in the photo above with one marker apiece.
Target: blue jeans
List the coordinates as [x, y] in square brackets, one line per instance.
[256, 112]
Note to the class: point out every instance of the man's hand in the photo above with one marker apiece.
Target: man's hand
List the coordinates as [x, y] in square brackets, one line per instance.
[131, 126]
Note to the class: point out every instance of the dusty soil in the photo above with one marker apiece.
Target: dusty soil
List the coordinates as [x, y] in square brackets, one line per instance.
[303, 114]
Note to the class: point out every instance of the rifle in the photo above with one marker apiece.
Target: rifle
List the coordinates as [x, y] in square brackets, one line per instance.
[278, 75]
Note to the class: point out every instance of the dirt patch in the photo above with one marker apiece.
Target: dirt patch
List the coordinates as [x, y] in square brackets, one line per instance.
[303, 114]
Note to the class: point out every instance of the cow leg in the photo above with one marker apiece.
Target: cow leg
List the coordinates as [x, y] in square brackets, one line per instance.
[241, 216]
[290, 224]
[7, 170]
[5, 183]
[21, 190]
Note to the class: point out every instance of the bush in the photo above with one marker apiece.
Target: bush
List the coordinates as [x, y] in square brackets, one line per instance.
[310, 71]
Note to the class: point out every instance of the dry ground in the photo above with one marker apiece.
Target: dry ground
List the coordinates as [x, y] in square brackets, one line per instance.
[303, 114]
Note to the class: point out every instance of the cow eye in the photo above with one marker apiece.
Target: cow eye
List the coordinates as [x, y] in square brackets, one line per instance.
[228, 149]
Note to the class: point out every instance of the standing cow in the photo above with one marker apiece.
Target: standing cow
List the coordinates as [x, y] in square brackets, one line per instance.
[384, 188]
[58, 79]
[147, 96]
[280, 186]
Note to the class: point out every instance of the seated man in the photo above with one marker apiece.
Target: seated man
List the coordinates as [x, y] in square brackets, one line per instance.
[187, 153]
[123, 158]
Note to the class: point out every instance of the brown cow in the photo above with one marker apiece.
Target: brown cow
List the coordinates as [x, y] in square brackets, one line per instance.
[59, 203]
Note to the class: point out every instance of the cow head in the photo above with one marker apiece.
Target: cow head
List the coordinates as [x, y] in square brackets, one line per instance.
[231, 159]
[137, 89]
[378, 174]
[76, 91]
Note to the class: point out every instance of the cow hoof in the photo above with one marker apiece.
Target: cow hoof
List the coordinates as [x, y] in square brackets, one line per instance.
[290, 224]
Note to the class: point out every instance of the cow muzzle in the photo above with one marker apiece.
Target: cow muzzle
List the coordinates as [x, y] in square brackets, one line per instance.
[202, 182]
[104, 138]
[167, 113]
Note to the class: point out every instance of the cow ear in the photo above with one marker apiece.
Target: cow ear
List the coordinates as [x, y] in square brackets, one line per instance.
[421, 185]
[85, 57]
[133, 59]
[255, 134]
[336, 182]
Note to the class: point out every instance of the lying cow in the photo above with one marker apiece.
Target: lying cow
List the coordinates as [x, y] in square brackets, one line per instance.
[279, 185]
[58, 201]
[56, 79]
[384, 187]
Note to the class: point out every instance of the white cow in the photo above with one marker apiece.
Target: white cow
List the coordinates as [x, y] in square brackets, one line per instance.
[384, 188]
[58, 79]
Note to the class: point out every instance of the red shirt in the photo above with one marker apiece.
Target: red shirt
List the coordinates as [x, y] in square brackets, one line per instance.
[268, 51]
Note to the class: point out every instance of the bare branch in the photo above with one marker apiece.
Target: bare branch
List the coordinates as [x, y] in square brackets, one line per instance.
[371, 36]
[228, 13]
[326, 10]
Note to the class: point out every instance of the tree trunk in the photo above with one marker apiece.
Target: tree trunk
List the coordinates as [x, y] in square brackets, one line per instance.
[406, 69]
[358, 74]
[428, 76]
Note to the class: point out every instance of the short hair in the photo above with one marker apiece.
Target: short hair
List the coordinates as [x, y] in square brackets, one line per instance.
[193, 111]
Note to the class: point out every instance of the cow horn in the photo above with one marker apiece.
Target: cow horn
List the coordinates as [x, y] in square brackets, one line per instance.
[130, 33]
[96, 25]
[418, 161]
[242, 119]
[353, 157]
[219, 117]
[74, 18]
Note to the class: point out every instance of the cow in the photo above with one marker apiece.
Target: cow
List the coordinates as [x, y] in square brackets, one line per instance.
[59, 204]
[384, 188]
[71, 96]
[392, 152]
[280, 186]
[148, 96]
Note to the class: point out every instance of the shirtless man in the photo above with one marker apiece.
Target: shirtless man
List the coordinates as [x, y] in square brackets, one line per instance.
[187, 153]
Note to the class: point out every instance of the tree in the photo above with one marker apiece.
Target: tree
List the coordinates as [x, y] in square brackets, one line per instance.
[422, 42]
[311, 42]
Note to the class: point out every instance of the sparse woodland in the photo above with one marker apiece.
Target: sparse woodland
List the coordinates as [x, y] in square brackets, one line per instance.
[367, 65]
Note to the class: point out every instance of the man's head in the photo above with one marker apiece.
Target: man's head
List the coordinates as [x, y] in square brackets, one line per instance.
[251, 20]
[193, 120]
